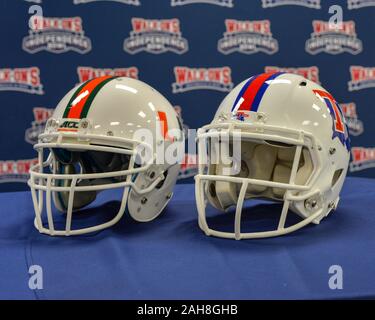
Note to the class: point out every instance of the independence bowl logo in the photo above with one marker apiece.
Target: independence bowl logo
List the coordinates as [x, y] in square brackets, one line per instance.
[15, 170]
[88, 73]
[333, 39]
[314, 4]
[354, 124]
[362, 158]
[356, 4]
[156, 36]
[248, 37]
[41, 115]
[362, 78]
[310, 73]
[56, 35]
[189, 166]
[187, 79]
[223, 3]
[21, 79]
[130, 2]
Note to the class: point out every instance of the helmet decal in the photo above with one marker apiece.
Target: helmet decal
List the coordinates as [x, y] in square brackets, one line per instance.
[339, 127]
[252, 92]
[164, 123]
[80, 102]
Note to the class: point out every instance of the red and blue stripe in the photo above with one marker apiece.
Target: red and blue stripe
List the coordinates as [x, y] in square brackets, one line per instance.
[253, 91]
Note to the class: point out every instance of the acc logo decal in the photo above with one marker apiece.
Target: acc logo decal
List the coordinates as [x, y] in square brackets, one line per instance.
[15, 170]
[187, 79]
[155, 36]
[56, 35]
[248, 37]
[189, 166]
[362, 158]
[356, 4]
[332, 39]
[338, 124]
[362, 78]
[88, 73]
[354, 124]
[41, 115]
[223, 3]
[310, 73]
[21, 79]
[130, 2]
[315, 4]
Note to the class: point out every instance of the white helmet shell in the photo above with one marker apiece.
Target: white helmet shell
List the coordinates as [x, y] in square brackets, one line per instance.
[105, 134]
[294, 148]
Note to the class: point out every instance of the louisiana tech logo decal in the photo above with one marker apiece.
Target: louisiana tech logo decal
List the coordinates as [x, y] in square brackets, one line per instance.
[310, 73]
[21, 79]
[88, 73]
[362, 78]
[315, 4]
[130, 2]
[356, 4]
[155, 36]
[15, 170]
[187, 79]
[223, 3]
[354, 124]
[362, 158]
[56, 35]
[248, 37]
[41, 115]
[332, 39]
[339, 127]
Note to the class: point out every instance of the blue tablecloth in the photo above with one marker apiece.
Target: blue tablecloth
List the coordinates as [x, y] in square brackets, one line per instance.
[170, 258]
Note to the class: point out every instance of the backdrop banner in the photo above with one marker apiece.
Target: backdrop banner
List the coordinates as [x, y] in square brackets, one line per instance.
[192, 51]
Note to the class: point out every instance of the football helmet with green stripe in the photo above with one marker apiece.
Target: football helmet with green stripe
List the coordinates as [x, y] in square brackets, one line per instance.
[105, 134]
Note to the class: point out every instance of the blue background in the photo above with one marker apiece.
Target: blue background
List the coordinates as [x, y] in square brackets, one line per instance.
[108, 23]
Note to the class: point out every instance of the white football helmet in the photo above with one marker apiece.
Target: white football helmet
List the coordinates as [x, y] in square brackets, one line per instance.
[105, 134]
[286, 140]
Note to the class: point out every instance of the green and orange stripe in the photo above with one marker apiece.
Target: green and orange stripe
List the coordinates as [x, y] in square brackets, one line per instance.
[80, 103]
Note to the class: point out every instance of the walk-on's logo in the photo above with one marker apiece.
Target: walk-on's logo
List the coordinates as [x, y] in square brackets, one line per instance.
[354, 124]
[248, 37]
[222, 3]
[362, 158]
[56, 35]
[333, 39]
[361, 78]
[21, 79]
[357, 4]
[310, 73]
[314, 4]
[41, 115]
[88, 73]
[156, 36]
[130, 2]
[187, 79]
[15, 170]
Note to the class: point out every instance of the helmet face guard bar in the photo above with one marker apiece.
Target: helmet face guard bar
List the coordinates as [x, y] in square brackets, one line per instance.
[41, 181]
[299, 139]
